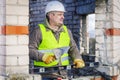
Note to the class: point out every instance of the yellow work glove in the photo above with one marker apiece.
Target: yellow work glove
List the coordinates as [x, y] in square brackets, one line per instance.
[79, 63]
[47, 58]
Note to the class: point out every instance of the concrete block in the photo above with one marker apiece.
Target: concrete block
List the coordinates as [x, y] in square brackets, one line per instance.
[17, 50]
[110, 2]
[100, 47]
[100, 9]
[109, 39]
[22, 76]
[2, 50]
[23, 20]
[2, 60]
[116, 39]
[100, 16]
[115, 3]
[11, 20]
[2, 71]
[2, 10]
[115, 53]
[69, 18]
[116, 9]
[18, 76]
[108, 46]
[2, 2]
[116, 24]
[2, 21]
[34, 77]
[69, 1]
[102, 57]
[12, 60]
[11, 2]
[2, 39]
[70, 9]
[109, 70]
[17, 60]
[11, 40]
[97, 54]
[109, 16]
[23, 39]
[100, 32]
[116, 60]
[23, 2]
[108, 56]
[99, 24]
[24, 60]
[116, 46]
[17, 10]
[17, 69]
[100, 39]
[108, 24]
[116, 17]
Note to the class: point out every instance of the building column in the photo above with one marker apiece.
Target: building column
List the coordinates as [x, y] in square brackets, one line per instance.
[2, 40]
[16, 35]
[108, 35]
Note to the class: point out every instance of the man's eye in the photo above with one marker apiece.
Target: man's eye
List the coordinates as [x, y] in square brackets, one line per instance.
[60, 14]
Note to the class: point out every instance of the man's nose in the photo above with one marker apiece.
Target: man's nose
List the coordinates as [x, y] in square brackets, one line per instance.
[63, 17]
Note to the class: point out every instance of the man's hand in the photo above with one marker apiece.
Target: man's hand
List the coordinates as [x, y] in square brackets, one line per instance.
[79, 63]
[47, 58]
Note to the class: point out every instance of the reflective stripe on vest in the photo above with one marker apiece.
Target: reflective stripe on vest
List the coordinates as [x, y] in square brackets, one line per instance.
[49, 42]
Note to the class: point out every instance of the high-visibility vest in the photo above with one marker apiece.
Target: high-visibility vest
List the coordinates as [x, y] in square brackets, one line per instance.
[49, 43]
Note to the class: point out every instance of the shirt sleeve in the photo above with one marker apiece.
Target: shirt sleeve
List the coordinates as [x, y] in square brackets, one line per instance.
[73, 51]
[34, 40]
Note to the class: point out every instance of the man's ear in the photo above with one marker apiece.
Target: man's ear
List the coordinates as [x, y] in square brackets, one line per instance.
[51, 15]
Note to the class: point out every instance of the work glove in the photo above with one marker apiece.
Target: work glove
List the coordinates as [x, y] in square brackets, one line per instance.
[47, 58]
[79, 63]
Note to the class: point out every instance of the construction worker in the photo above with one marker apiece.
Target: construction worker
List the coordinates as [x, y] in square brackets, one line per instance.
[51, 36]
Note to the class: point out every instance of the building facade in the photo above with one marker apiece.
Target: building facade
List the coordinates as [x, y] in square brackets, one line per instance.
[19, 17]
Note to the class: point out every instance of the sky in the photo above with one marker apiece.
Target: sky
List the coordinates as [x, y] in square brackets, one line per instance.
[91, 25]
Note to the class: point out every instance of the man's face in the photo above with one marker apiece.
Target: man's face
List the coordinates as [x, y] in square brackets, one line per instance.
[57, 18]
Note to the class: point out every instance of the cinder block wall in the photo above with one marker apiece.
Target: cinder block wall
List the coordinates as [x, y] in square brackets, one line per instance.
[2, 40]
[108, 34]
[14, 31]
[116, 31]
[16, 36]
[14, 52]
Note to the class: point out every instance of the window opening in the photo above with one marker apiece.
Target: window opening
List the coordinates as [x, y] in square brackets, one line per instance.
[88, 34]
[91, 32]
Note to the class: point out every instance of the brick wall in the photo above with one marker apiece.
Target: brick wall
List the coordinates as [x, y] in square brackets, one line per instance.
[14, 52]
[108, 36]
[116, 32]
[2, 40]
[16, 30]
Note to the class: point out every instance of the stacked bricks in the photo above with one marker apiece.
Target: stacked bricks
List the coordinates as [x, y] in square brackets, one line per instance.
[16, 31]
[108, 35]
[2, 40]
[14, 43]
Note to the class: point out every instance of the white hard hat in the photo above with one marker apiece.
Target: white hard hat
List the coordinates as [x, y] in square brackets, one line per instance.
[54, 6]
